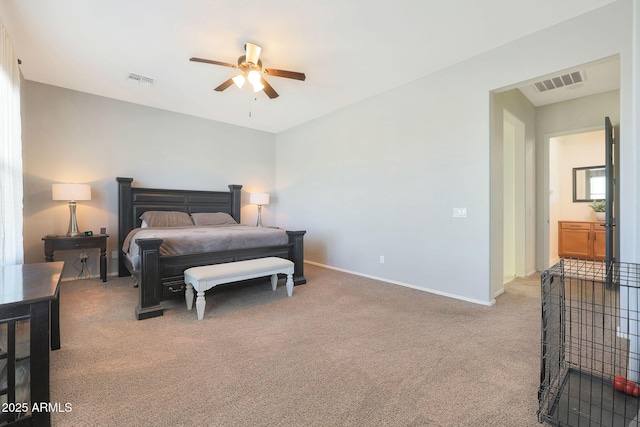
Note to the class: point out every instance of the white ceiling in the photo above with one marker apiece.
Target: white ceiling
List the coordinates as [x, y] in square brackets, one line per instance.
[349, 50]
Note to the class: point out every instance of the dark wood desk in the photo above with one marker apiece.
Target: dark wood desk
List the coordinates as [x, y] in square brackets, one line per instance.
[98, 241]
[29, 294]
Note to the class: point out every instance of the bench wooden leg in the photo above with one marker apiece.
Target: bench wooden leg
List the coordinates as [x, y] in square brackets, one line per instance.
[274, 281]
[289, 284]
[188, 296]
[200, 304]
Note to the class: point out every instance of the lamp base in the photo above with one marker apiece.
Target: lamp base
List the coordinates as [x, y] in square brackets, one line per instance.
[73, 223]
[259, 223]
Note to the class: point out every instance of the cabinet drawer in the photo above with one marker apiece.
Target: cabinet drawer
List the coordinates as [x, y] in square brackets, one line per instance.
[576, 226]
[80, 245]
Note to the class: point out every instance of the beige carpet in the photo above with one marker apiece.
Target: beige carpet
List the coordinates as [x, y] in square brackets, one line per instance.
[343, 351]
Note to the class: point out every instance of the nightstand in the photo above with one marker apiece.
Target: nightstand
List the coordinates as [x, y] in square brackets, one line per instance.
[97, 241]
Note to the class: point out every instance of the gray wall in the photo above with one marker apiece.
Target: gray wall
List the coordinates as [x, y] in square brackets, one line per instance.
[381, 177]
[70, 136]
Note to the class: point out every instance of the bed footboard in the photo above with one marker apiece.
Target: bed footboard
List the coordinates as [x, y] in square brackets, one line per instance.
[150, 293]
[296, 255]
[159, 275]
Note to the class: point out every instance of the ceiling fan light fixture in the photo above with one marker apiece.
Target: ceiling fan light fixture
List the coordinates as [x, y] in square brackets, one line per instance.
[239, 80]
[250, 68]
[253, 77]
[252, 53]
[257, 86]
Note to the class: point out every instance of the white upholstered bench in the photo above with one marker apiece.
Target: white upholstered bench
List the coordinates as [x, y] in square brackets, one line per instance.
[206, 277]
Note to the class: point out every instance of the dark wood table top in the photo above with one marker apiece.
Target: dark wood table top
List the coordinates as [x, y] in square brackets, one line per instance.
[29, 283]
[81, 237]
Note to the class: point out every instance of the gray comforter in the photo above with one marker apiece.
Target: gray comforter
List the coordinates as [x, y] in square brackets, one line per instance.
[196, 239]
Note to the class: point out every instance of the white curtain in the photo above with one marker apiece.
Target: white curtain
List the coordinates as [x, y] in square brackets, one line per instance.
[11, 246]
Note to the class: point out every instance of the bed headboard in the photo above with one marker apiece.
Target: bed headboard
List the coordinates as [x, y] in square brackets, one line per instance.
[134, 201]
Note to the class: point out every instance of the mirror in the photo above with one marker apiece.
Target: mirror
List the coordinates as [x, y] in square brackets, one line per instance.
[589, 184]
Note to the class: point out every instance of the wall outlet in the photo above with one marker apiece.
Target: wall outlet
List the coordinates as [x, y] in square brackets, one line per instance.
[381, 259]
[114, 254]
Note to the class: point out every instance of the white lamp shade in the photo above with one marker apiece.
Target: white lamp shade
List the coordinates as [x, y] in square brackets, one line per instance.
[257, 87]
[259, 198]
[253, 53]
[238, 80]
[254, 77]
[70, 192]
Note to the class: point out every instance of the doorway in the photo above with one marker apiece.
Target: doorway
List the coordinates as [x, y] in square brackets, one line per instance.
[568, 152]
[580, 108]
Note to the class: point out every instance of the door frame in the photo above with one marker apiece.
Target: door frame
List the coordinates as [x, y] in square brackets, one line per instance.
[515, 214]
[544, 245]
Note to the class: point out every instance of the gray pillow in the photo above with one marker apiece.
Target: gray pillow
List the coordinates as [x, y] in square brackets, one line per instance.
[166, 219]
[212, 218]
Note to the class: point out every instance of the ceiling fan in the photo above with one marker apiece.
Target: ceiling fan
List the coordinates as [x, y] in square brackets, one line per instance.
[251, 67]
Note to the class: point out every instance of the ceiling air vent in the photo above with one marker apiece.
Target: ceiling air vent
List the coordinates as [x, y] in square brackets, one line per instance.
[141, 80]
[560, 81]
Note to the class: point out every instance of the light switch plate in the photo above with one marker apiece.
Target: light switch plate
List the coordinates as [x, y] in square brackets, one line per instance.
[459, 212]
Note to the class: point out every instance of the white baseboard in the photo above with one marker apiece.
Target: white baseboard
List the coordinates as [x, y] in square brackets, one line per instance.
[406, 285]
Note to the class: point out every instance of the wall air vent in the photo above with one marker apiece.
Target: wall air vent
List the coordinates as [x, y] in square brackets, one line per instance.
[141, 80]
[560, 81]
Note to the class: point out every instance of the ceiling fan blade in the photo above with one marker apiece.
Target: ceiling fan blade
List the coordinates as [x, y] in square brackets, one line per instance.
[211, 61]
[283, 73]
[252, 53]
[224, 85]
[271, 93]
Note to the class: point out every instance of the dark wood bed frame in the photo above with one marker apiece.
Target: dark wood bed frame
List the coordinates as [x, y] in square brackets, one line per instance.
[162, 277]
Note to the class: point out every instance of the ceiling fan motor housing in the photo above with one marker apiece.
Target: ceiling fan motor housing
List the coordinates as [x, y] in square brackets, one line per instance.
[248, 66]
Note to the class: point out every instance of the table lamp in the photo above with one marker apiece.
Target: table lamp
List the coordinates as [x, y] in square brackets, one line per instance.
[259, 199]
[71, 193]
